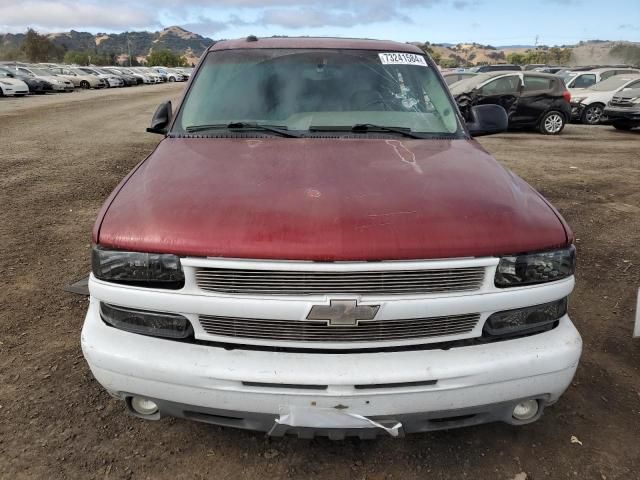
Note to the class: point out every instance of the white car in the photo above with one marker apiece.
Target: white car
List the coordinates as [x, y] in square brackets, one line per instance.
[12, 86]
[79, 79]
[127, 71]
[172, 75]
[59, 84]
[586, 78]
[112, 80]
[587, 104]
[155, 78]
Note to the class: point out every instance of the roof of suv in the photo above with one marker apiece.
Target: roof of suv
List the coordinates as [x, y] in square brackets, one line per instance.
[317, 42]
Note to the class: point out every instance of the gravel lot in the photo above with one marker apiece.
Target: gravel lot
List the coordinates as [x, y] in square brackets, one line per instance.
[61, 155]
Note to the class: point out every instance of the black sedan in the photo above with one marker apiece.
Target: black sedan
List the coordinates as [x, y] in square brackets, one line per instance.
[532, 100]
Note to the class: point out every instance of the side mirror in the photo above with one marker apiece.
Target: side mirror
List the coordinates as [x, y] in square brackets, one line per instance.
[487, 120]
[161, 119]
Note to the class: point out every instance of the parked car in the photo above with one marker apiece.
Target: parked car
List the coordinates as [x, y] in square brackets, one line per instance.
[140, 78]
[623, 111]
[154, 76]
[58, 84]
[11, 86]
[587, 104]
[128, 79]
[35, 85]
[111, 79]
[585, 78]
[532, 100]
[333, 255]
[499, 67]
[79, 80]
[453, 77]
[172, 75]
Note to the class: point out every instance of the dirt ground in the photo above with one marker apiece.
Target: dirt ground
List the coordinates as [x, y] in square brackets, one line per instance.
[61, 155]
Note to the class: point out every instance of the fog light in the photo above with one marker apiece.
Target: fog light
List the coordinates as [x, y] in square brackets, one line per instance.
[526, 410]
[144, 406]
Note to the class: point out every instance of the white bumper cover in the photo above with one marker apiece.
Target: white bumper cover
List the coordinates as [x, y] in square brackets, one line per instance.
[539, 366]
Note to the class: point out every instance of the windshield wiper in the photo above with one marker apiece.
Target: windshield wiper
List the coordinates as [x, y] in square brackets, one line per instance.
[367, 127]
[279, 130]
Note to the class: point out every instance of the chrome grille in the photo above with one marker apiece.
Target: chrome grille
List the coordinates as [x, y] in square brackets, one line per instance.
[312, 331]
[285, 282]
[621, 102]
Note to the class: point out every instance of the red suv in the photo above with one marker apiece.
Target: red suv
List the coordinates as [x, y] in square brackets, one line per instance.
[318, 246]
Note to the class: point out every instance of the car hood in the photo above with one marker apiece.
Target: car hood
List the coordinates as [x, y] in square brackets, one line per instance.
[14, 82]
[326, 200]
[592, 97]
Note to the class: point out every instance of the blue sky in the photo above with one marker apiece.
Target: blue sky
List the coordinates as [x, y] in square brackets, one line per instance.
[497, 22]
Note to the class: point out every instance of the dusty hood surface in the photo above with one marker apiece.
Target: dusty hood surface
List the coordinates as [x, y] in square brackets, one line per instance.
[326, 199]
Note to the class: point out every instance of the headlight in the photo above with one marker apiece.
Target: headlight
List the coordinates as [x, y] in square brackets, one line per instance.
[529, 269]
[525, 320]
[578, 99]
[635, 100]
[157, 324]
[139, 269]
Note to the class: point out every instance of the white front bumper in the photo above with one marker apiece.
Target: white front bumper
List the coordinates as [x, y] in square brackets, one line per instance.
[540, 366]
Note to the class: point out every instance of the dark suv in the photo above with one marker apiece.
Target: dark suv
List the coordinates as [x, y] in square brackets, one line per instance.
[532, 100]
[623, 111]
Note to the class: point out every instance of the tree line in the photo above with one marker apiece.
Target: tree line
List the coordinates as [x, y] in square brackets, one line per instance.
[37, 48]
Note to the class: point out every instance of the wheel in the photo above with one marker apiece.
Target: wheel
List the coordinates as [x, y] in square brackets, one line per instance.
[622, 126]
[552, 123]
[84, 84]
[172, 79]
[592, 113]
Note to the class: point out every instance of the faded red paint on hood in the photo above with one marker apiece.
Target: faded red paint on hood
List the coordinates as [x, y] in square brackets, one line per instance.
[327, 199]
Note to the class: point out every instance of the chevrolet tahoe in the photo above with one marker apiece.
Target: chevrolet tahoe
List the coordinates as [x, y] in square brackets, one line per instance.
[319, 246]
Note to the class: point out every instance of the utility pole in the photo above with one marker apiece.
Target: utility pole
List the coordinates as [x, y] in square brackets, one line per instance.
[129, 49]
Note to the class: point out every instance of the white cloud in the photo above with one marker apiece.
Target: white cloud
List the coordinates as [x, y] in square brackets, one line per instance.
[61, 14]
[203, 16]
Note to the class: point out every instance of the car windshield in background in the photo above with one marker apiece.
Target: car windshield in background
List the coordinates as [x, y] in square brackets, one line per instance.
[303, 89]
[612, 83]
[41, 72]
[468, 84]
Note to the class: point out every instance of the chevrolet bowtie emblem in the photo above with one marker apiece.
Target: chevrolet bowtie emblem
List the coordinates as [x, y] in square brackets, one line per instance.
[343, 313]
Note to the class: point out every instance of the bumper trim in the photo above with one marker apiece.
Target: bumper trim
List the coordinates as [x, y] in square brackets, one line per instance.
[411, 423]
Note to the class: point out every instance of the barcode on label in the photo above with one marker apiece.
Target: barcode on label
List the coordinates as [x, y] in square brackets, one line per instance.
[402, 59]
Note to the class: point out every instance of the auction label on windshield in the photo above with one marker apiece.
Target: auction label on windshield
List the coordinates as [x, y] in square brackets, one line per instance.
[402, 59]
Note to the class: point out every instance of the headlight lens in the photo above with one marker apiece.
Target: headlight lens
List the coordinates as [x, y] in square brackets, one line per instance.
[156, 324]
[535, 268]
[525, 320]
[139, 269]
[635, 100]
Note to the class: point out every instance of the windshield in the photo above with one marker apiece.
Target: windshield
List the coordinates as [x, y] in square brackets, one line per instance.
[567, 76]
[298, 89]
[612, 83]
[467, 84]
[40, 72]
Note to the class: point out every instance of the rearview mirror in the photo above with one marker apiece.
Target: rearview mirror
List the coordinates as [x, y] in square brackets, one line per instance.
[161, 119]
[487, 120]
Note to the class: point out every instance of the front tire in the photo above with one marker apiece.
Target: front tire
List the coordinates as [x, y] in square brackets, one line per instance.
[552, 123]
[171, 79]
[592, 113]
[85, 85]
